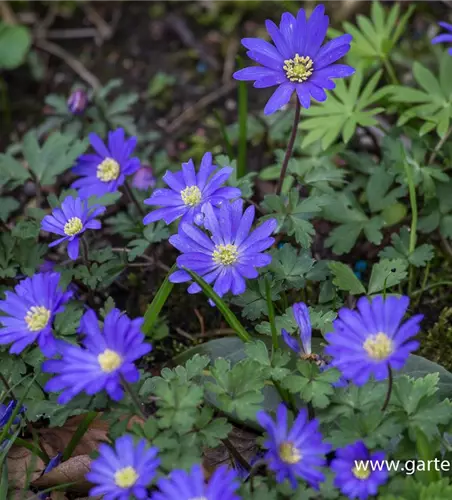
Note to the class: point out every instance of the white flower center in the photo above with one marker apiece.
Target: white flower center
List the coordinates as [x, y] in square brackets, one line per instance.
[191, 196]
[379, 346]
[289, 454]
[73, 226]
[109, 361]
[298, 69]
[225, 254]
[37, 318]
[108, 170]
[362, 473]
[127, 477]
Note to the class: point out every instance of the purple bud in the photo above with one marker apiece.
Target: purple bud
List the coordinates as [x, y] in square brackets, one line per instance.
[77, 102]
[144, 178]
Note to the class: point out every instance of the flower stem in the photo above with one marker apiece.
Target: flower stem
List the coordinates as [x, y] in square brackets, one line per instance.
[133, 397]
[133, 198]
[388, 394]
[424, 283]
[439, 146]
[85, 253]
[413, 230]
[289, 149]
[389, 68]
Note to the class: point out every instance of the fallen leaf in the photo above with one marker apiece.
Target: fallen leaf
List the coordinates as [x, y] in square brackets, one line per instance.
[25, 468]
[71, 471]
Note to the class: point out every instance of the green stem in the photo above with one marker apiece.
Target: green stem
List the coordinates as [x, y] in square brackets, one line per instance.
[159, 300]
[392, 74]
[289, 149]
[286, 396]
[423, 284]
[133, 198]
[413, 203]
[439, 146]
[78, 434]
[85, 253]
[431, 287]
[389, 392]
[243, 120]
[133, 397]
[271, 315]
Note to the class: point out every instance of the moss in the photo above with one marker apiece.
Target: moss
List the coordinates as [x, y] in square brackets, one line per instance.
[436, 343]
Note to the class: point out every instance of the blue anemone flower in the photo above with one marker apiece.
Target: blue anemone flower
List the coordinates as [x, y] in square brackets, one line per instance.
[31, 310]
[182, 485]
[444, 37]
[189, 191]
[372, 339]
[123, 470]
[106, 170]
[359, 473]
[106, 357]
[229, 254]
[295, 453]
[297, 62]
[71, 221]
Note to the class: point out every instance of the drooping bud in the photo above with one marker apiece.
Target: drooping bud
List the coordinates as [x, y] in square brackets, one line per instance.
[143, 178]
[77, 102]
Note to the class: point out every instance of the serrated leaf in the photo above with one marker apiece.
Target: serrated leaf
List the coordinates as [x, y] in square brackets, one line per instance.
[345, 278]
[386, 274]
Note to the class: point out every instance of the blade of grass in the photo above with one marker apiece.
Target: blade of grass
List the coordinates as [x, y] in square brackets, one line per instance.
[6, 428]
[243, 121]
[271, 314]
[228, 315]
[154, 308]
[78, 434]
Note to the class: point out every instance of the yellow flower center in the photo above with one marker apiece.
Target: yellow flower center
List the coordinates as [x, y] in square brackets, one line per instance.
[191, 196]
[127, 477]
[109, 361]
[37, 318]
[298, 69]
[225, 254]
[362, 473]
[73, 226]
[378, 346]
[108, 170]
[289, 453]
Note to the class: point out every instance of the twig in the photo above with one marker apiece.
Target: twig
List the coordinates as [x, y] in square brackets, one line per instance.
[229, 60]
[182, 29]
[72, 33]
[193, 111]
[7, 14]
[201, 321]
[70, 60]
[104, 30]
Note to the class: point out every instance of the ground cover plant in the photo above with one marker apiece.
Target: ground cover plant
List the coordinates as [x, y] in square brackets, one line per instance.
[260, 312]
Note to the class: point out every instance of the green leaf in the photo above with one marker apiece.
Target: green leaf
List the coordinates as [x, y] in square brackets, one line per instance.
[312, 385]
[345, 278]
[228, 315]
[386, 274]
[345, 109]
[254, 300]
[7, 206]
[155, 307]
[290, 266]
[15, 42]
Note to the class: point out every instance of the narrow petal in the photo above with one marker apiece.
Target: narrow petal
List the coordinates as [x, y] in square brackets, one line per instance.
[281, 96]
